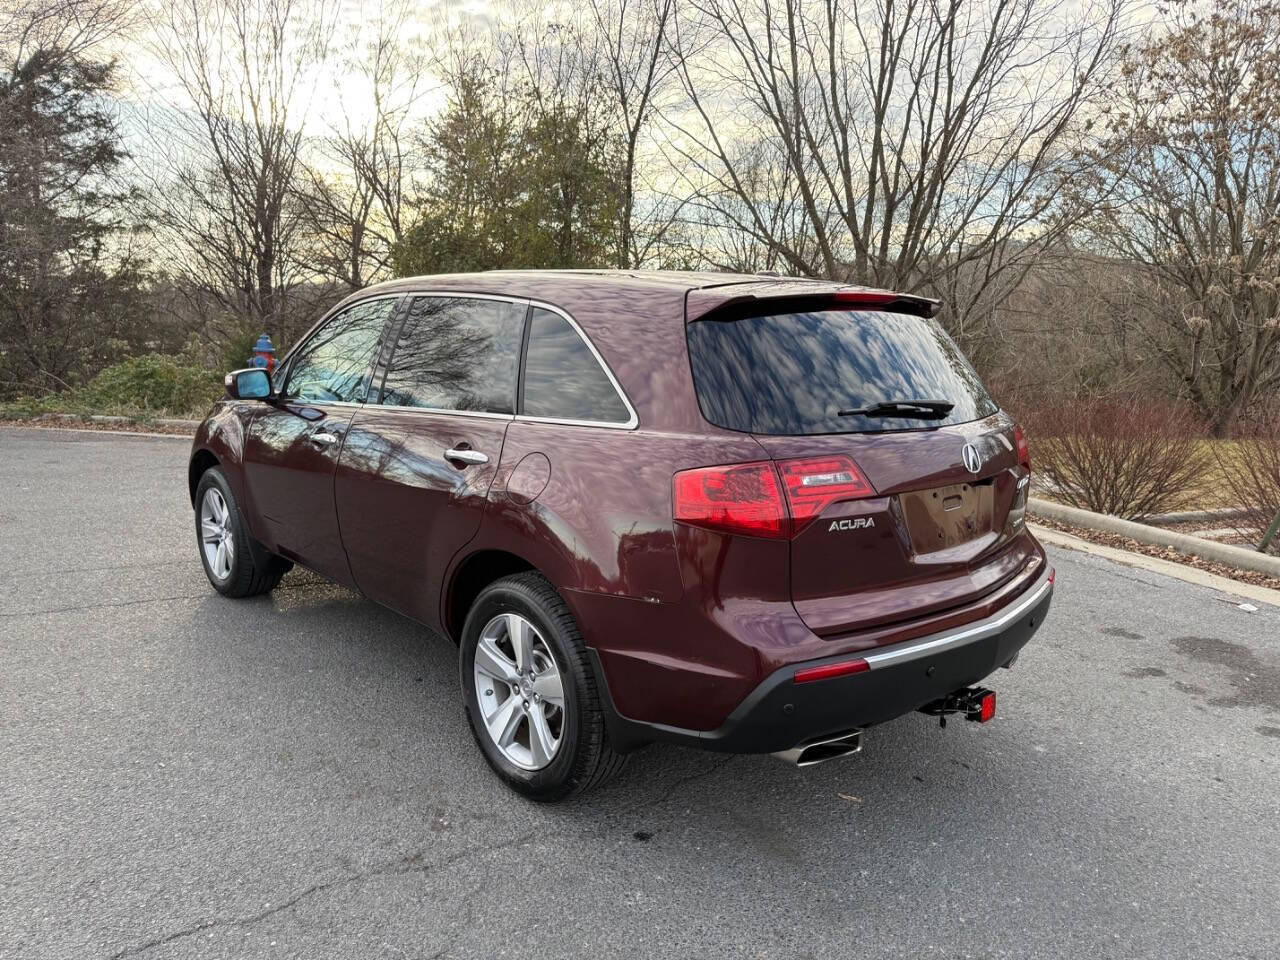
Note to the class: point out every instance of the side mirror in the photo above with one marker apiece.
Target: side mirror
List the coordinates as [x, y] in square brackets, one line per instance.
[251, 383]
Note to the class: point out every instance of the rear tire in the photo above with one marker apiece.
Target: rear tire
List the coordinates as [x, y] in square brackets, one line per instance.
[508, 711]
[235, 563]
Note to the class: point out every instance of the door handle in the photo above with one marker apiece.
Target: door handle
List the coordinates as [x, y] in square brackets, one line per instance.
[465, 456]
[323, 439]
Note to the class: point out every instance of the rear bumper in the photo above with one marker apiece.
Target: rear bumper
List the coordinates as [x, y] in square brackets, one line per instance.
[780, 714]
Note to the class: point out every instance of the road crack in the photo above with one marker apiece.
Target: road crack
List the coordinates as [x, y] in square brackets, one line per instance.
[403, 866]
[101, 606]
[407, 865]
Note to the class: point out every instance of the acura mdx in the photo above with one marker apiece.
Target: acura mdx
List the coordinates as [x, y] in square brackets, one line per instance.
[741, 513]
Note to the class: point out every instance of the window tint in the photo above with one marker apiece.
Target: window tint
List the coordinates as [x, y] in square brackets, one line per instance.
[334, 364]
[563, 379]
[792, 373]
[457, 354]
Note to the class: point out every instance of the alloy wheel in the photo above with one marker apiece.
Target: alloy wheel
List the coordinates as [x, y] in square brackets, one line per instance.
[216, 539]
[519, 691]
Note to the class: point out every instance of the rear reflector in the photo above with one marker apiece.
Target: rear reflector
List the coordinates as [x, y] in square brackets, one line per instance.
[814, 483]
[742, 498]
[987, 706]
[1053, 572]
[828, 670]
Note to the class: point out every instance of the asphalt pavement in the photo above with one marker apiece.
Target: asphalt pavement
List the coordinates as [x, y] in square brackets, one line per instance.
[292, 777]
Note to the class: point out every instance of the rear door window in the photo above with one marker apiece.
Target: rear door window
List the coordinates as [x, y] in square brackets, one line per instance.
[457, 353]
[794, 373]
[563, 378]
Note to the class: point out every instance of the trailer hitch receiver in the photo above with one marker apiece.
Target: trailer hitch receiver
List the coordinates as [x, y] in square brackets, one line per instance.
[976, 703]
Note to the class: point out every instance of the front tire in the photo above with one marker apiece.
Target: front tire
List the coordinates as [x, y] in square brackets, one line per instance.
[235, 563]
[530, 694]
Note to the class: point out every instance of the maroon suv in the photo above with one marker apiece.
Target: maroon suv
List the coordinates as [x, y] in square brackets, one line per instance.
[736, 512]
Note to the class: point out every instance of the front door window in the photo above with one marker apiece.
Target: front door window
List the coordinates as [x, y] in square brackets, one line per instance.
[334, 366]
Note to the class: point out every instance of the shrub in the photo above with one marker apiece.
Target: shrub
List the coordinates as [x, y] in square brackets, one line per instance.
[1127, 456]
[151, 383]
[1250, 469]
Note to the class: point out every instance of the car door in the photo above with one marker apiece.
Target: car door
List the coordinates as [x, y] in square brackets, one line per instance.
[292, 446]
[414, 474]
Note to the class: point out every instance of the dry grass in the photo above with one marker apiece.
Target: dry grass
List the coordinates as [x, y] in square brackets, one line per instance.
[1212, 491]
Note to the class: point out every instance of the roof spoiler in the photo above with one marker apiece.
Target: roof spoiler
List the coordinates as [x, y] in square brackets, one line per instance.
[705, 302]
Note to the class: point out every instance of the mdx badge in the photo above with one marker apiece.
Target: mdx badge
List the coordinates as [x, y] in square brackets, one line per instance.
[853, 523]
[972, 458]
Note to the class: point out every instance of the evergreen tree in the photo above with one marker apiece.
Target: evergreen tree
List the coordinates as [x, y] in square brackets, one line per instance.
[66, 292]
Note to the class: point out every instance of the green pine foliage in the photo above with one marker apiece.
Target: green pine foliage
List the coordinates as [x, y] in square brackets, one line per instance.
[517, 181]
[68, 286]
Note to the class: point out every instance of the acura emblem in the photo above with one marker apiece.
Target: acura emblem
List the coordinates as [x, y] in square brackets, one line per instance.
[972, 458]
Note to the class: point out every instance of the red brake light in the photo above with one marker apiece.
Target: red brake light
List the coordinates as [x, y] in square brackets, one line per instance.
[1022, 447]
[742, 498]
[814, 483]
[826, 670]
[864, 296]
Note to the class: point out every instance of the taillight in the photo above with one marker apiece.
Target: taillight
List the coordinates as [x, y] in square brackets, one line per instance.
[742, 498]
[1022, 448]
[814, 483]
[746, 497]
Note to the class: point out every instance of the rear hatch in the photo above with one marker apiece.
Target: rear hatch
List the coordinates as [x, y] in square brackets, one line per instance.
[909, 507]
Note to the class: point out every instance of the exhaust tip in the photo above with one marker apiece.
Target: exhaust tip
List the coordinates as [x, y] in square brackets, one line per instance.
[820, 751]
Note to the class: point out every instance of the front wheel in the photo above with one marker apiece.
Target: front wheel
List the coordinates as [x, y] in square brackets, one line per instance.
[529, 691]
[234, 562]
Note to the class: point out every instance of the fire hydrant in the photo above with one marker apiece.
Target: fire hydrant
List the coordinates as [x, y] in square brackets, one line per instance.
[264, 354]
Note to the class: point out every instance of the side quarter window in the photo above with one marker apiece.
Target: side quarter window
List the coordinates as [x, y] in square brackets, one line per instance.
[335, 364]
[563, 379]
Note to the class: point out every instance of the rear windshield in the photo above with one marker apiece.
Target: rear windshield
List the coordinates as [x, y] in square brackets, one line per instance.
[793, 373]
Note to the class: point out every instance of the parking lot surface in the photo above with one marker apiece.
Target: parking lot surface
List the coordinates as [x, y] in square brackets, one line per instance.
[292, 777]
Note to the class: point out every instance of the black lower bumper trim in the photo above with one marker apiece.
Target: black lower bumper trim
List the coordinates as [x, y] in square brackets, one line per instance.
[781, 714]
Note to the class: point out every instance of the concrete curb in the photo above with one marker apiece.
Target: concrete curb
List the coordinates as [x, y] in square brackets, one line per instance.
[28, 425]
[1192, 546]
[1197, 516]
[1169, 568]
[125, 423]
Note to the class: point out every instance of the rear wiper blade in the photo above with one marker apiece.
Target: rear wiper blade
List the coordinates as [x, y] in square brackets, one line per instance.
[914, 409]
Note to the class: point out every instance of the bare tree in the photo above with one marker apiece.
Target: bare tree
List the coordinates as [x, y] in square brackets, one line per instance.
[226, 153]
[72, 27]
[1192, 157]
[748, 235]
[354, 190]
[919, 140]
[633, 49]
